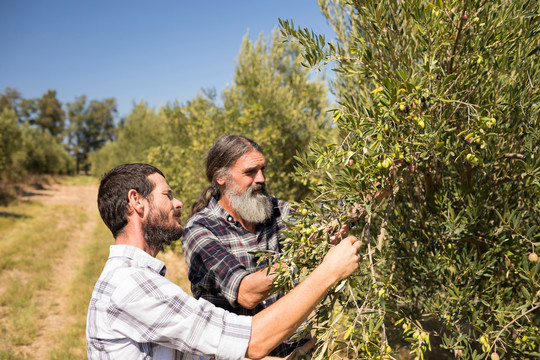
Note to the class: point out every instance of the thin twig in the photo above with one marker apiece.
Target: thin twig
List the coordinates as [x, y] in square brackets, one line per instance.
[389, 206]
[461, 22]
[510, 323]
[515, 156]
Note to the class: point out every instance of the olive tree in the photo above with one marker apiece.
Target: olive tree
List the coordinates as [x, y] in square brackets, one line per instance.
[437, 171]
[273, 99]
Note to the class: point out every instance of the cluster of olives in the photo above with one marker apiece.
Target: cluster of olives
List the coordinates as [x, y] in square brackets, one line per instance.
[407, 108]
[485, 124]
[384, 162]
[488, 122]
[473, 159]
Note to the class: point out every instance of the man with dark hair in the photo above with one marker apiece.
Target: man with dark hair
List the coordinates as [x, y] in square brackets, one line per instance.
[136, 313]
[233, 219]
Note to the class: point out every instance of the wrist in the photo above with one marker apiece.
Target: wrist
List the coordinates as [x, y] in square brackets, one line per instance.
[324, 275]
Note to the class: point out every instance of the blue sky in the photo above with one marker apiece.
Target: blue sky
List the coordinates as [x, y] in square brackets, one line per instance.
[156, 51]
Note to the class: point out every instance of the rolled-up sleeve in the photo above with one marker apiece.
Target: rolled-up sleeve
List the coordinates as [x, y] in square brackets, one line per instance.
[212, 268]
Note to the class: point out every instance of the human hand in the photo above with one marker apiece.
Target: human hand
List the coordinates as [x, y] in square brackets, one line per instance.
[301, 353]
[342, 259]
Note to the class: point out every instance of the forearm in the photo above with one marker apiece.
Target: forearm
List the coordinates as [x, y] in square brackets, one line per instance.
[276, 323]
[256, 287]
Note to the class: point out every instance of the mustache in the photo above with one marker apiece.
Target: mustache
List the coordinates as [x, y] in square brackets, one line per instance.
[257, 187]
[177, 212]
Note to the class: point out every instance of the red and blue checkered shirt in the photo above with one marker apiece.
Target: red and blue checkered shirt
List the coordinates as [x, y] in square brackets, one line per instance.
[220, 253]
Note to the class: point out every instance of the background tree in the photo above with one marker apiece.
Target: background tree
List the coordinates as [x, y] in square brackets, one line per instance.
[143, 129]
[273, 99]
[27, 147]
[25, 109]
[192, 128]
[9, 99]
[40, 153]
[10, 139]
[51, 115]
[91, 125]
[438, 104]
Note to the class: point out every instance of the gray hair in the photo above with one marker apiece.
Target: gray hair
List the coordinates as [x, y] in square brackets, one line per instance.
[219, 160]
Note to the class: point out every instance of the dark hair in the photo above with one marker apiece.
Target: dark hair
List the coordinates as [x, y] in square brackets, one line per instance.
[113, 192]
[219, 159]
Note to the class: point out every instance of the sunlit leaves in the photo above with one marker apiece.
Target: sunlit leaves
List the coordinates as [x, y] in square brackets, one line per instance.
[451, 87]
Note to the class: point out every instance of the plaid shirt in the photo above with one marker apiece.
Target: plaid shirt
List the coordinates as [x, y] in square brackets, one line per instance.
[136, 313]
[219, 254]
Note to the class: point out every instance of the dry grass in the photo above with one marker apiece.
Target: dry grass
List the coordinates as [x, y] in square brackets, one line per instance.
[11, 190]
[53, 246]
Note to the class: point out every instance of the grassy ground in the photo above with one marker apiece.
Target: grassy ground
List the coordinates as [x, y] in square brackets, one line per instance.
[53, 246]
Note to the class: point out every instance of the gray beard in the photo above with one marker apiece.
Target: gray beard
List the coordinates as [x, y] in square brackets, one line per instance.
[253, 208]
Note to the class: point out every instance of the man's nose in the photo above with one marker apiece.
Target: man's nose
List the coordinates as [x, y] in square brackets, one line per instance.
[177, 203]
[259, 178]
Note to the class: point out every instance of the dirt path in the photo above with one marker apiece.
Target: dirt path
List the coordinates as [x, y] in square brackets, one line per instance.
[56, 297]
[64, 270]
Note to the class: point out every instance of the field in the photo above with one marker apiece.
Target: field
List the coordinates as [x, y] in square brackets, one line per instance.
[53, 246]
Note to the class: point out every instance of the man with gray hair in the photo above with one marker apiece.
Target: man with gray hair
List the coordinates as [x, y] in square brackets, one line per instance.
[234, 218]
[136, 313]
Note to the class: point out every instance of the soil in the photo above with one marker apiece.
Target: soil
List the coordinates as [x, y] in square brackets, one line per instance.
[55, 298]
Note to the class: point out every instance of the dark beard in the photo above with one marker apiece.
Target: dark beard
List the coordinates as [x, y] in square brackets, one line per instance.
[157, 233]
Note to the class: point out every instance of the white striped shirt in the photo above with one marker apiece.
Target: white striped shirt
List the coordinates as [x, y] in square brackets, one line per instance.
[136, 313]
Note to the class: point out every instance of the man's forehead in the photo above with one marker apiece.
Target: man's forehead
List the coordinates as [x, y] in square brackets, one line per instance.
[250, 159]
[159, 182]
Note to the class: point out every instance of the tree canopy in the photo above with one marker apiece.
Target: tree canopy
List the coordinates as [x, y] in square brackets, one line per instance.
[273, 99]
[438, 109]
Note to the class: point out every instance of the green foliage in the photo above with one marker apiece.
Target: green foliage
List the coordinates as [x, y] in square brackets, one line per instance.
[272, 100]
[9, 99]
[31, 136]
[25, 149]
[41, 154]
[192, 129]
[10, 138]
[142, 130]
[439, 105]
[91, 125]
[51, 115]
[45, 112]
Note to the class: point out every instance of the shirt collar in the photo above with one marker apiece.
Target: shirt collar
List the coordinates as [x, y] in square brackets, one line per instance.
[138, 255]
[217, 210]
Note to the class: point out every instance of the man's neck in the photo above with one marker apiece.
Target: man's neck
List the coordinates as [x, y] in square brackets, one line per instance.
[225, 204]
[136, 239]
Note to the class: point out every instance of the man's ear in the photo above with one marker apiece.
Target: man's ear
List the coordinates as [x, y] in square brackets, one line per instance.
[136, 201]
[221, 181]
[221, 176]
